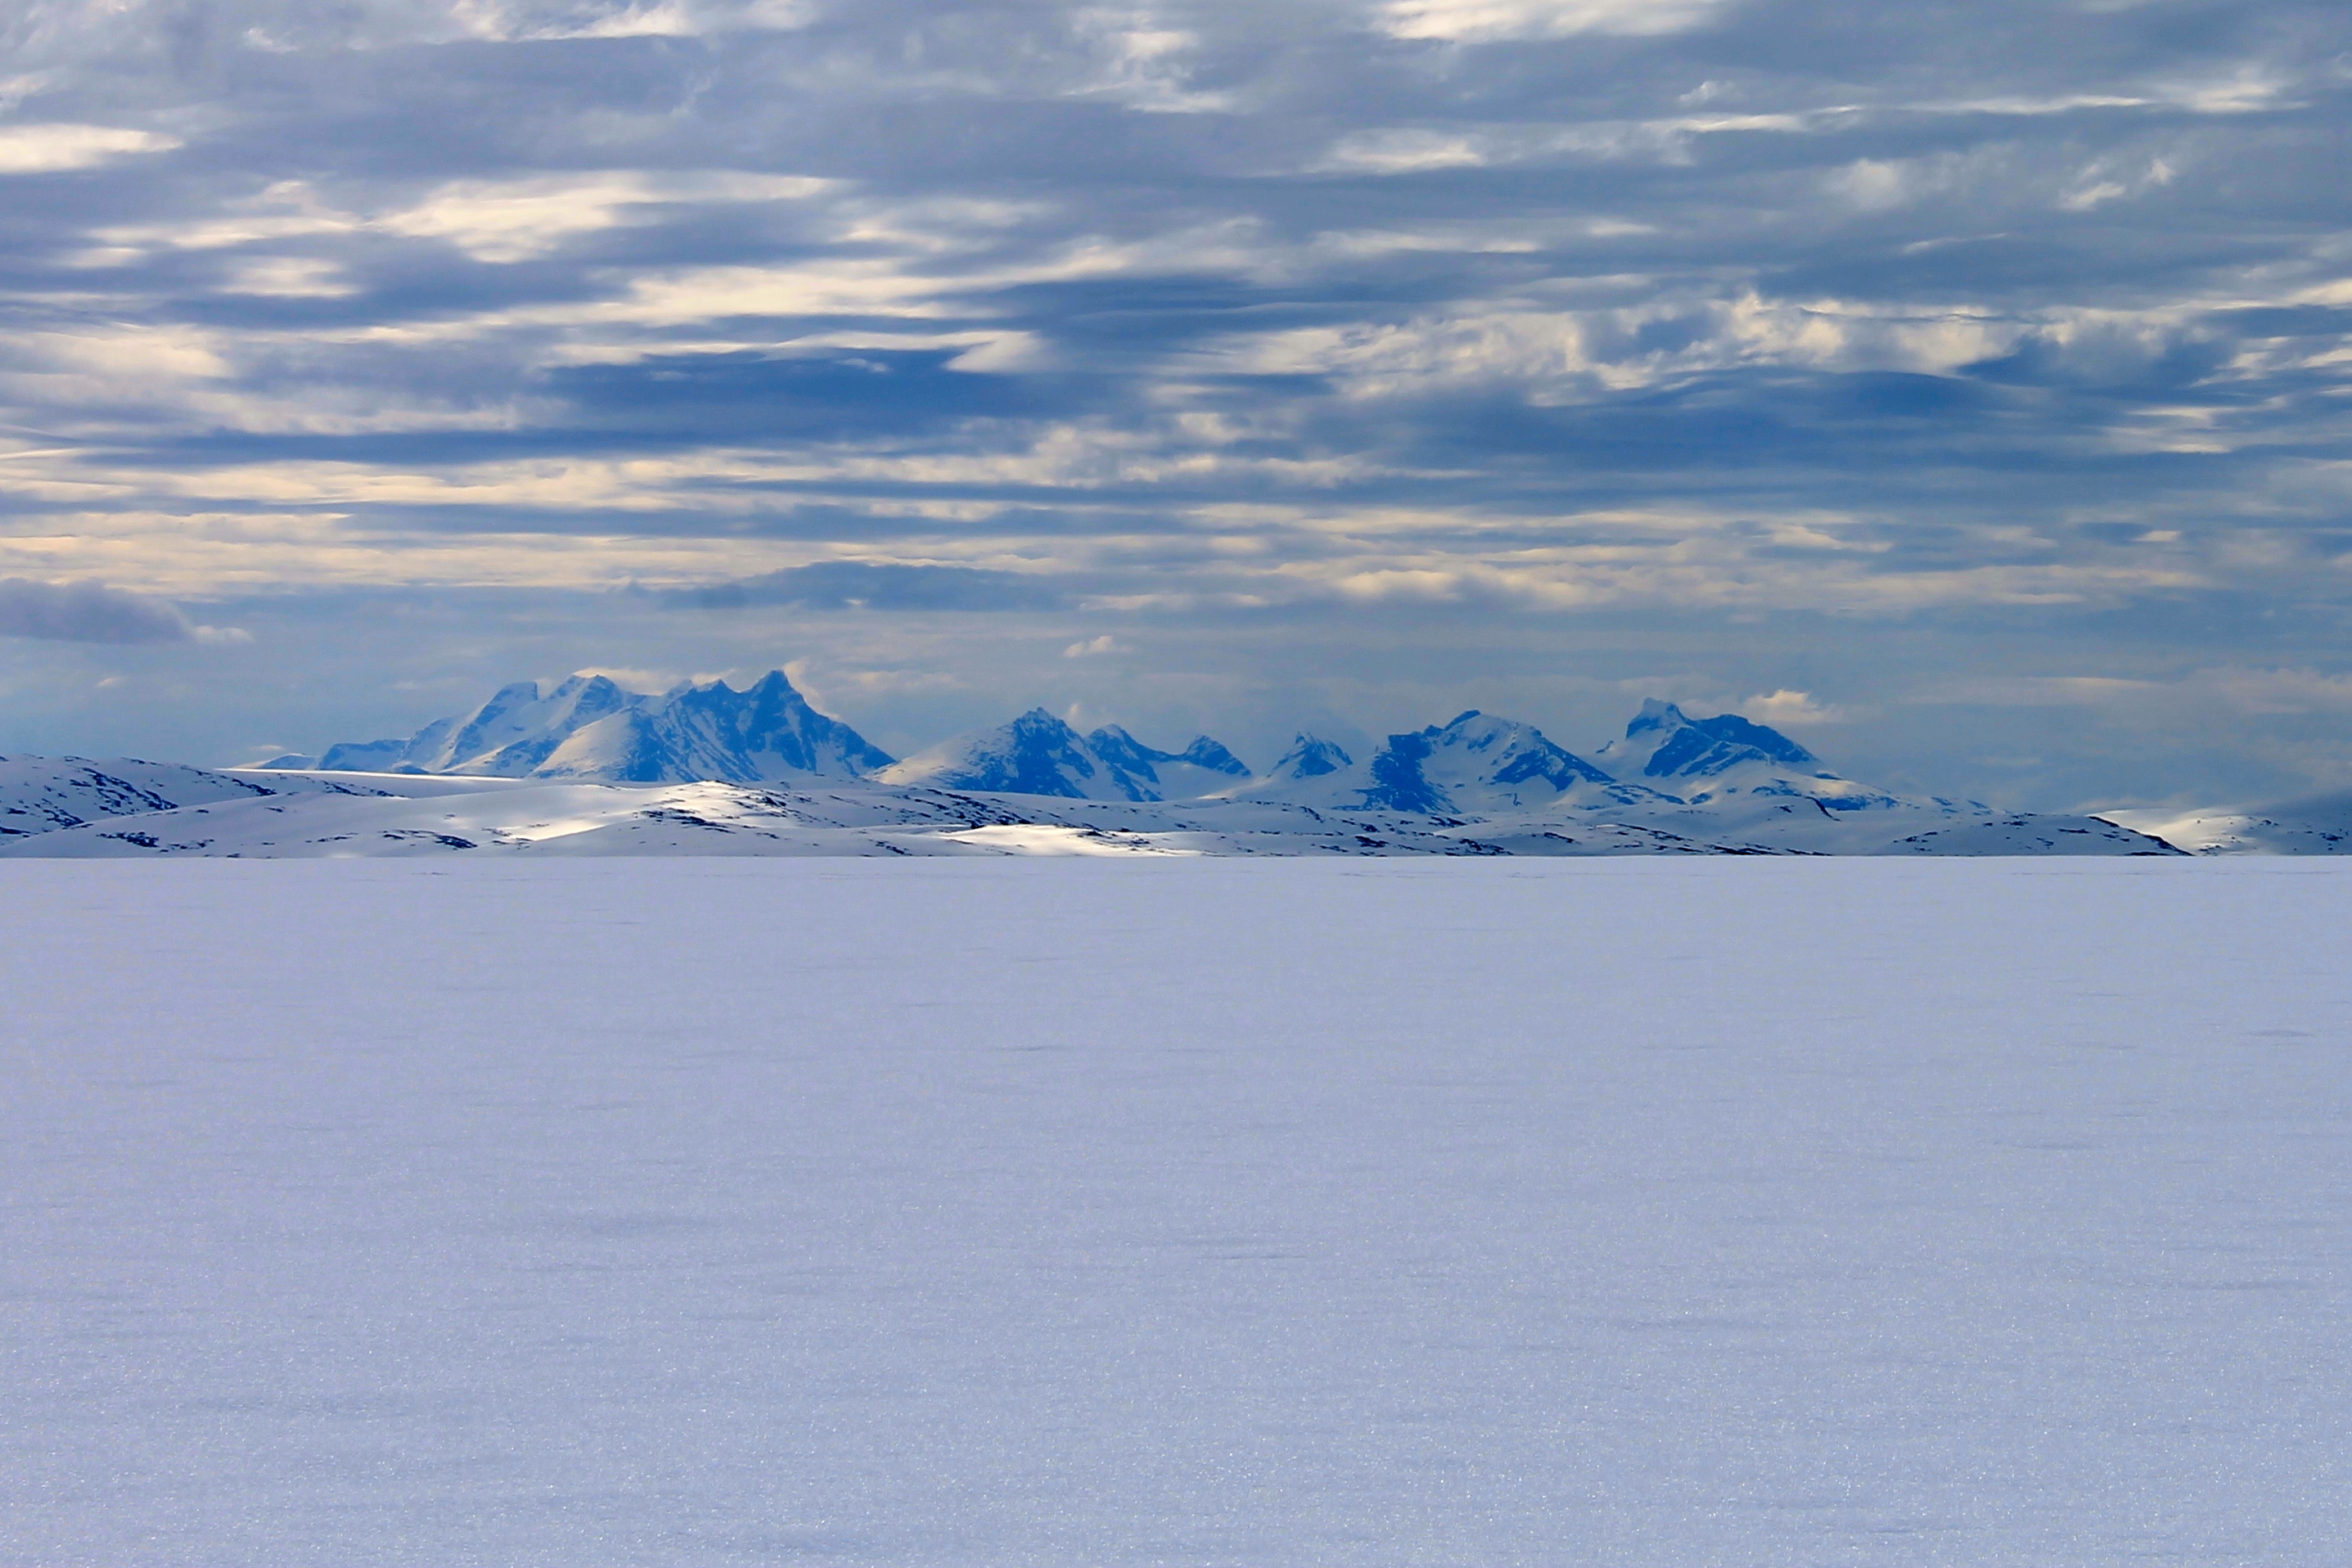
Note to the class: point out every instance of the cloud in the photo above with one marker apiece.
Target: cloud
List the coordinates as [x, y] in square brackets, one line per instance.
[1094, 647]
[1487, 20]
[2238, 690]
[874, 585]
[515, 220]
[1787, 707]
[92, 611]
[1354, 338]
[49, 148]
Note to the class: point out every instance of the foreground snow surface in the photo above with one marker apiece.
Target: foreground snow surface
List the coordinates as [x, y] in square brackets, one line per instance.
[1119, 1212]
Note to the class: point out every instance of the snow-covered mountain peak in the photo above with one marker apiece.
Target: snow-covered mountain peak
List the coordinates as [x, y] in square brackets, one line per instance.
[1038, 753]
[1701, 761]
[1199, 769]
[1670, 743]
[1313, 772]
[588, 727]
[1204, 752]
[1311, 757]
[1475, 762]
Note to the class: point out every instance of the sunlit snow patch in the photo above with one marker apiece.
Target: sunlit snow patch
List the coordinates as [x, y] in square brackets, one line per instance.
[1033, 839]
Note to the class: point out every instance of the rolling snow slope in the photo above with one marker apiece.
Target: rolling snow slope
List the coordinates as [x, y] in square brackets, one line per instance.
[541, 816]
[1644, 1214]
[45, 794]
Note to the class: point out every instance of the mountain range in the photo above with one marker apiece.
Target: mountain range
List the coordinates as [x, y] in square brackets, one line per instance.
[589, 767]
[589, 729]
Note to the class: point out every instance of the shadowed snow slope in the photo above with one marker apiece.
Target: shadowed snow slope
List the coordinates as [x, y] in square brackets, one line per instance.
[1639, 1215]
[589, 727]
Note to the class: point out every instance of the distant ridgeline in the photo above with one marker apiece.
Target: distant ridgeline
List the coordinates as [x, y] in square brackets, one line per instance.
[704, 768]
[588, 728]
[592, 769]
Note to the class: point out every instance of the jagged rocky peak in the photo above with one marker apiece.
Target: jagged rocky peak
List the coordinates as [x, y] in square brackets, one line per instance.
[589, 727]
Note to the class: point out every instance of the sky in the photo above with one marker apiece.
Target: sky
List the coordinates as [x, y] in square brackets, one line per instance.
[1964, 388]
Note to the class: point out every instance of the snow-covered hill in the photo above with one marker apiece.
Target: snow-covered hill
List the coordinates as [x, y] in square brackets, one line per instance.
[2311, 824]
[447, 813]
[47, 795]
[590, 728]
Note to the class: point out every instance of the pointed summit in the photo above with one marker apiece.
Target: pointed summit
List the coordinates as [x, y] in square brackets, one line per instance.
[1203, 752]
[1311, 757]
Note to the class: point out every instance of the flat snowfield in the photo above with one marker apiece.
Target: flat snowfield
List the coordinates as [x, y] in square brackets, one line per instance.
[1084, 1213]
